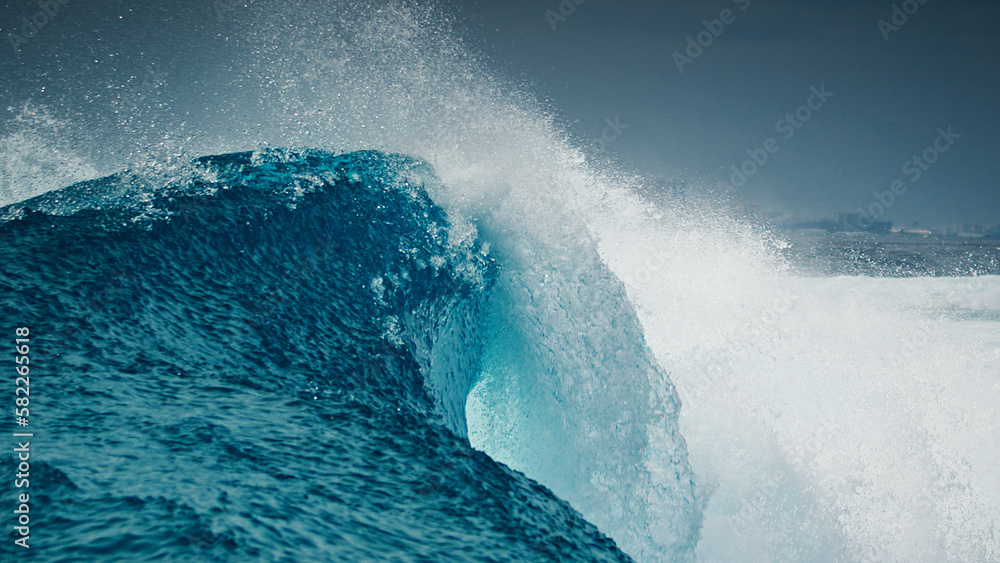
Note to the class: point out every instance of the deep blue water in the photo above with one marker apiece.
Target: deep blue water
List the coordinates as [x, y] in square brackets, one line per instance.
[268, 362]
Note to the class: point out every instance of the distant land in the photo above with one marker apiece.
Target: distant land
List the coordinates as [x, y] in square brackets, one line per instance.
[845, 222]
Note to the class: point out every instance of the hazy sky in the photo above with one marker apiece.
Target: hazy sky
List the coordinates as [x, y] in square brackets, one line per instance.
[667, 105]
[939, 68]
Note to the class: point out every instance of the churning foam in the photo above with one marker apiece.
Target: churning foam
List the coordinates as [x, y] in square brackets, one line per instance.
[830, 419]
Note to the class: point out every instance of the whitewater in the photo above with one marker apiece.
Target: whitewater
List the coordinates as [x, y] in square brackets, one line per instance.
[375, 303]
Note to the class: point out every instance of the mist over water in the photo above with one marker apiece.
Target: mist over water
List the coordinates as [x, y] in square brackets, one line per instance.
[773, 416]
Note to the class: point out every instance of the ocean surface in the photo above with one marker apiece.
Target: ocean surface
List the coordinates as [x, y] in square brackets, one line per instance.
[379, 306]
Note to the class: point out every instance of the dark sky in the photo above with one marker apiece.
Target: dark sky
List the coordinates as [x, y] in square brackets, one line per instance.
[614, 59]
[613, 62]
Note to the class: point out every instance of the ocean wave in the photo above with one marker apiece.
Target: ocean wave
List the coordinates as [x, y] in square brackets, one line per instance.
[288, 324]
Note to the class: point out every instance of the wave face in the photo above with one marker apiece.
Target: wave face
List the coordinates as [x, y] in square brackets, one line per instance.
[270, 361]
